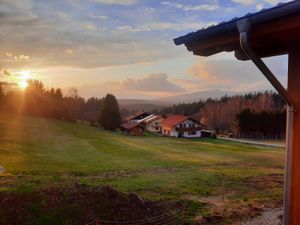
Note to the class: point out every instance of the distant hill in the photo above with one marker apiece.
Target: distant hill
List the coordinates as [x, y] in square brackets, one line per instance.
[195, 96]
[142, 107]
[139, 104]
[123, 102]
[158, 103]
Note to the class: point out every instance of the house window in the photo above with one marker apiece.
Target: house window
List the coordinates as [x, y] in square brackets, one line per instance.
[192, 132]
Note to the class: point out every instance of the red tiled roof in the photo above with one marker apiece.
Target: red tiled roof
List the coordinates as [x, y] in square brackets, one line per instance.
[172, 121]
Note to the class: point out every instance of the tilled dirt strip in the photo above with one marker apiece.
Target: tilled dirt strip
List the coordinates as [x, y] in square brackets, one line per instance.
[79, 205]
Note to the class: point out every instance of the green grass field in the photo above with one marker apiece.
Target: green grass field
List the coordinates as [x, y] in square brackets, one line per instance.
[38, 152]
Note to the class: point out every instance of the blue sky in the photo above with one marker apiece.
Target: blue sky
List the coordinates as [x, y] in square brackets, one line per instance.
[124, 47]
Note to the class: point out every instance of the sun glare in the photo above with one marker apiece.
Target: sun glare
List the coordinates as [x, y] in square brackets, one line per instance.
[23, 79]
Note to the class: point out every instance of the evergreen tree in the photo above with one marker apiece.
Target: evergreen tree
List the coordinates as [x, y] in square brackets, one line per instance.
[2, 95]
[92, 110]
[110, 117]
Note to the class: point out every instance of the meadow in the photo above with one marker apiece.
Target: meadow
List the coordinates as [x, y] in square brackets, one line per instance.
[226, 176]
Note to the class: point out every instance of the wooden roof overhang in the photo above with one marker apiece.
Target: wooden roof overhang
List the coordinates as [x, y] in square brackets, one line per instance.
[273, 32]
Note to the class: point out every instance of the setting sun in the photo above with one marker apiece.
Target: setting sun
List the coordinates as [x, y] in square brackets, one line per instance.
[24, 77]
[23, 84]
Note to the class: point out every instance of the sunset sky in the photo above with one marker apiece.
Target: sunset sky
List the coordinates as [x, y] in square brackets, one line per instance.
[123, 47]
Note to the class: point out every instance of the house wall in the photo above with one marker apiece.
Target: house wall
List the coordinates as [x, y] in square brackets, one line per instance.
[155, 127]
[185, 124]
[186, 134]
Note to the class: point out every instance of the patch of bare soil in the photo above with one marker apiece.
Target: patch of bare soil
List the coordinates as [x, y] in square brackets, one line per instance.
[79, 205]
[222, 211]
[268, 217]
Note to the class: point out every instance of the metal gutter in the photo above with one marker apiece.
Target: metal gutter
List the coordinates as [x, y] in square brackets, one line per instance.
[243, 27]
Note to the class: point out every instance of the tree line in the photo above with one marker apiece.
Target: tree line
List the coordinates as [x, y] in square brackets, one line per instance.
[254, 115]
[36, 100]
[221, 114]
[261, 125]
[183, 108]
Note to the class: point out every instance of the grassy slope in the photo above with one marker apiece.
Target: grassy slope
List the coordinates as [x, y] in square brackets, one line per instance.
[39, 152]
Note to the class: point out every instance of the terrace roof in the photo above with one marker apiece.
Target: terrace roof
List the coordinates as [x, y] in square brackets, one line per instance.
[273, 32]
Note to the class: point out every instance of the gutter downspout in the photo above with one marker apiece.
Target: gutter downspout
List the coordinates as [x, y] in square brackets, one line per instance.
[244, 27]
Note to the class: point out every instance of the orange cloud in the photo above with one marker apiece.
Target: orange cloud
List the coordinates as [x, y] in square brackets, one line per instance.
[207, 72]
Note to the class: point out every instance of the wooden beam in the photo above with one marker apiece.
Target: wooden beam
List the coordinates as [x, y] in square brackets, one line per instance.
[294, 91]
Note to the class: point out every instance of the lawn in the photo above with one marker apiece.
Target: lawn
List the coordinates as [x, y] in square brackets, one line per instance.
[38, 152]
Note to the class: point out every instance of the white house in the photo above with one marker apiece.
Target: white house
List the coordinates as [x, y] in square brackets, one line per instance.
[181, 126]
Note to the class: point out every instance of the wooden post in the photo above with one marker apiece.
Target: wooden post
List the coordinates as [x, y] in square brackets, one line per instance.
[294, 91]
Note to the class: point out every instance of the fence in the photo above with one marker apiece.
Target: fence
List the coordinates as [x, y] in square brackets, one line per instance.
[175, 216]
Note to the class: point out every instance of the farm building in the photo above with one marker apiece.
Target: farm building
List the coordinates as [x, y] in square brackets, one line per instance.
[181, 126]
[153, 124]
[132, 128]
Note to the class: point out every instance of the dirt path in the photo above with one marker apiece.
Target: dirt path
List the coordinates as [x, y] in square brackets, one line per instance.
[268, 217]
[253, 142]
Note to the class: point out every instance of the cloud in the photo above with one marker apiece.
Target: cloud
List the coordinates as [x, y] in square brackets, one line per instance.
[11, 56]
[192, 85]
[8, 54]
[244, 2]
[90, 26]
[117, 2]
[22, 57]
[201, 7]
[6, 72]
[35, 30]
[259, 6]
[177, 26]
[214, 71]
[234, 74]
[69, 51]
[274, 2]
[99, 17]
[45, 39]
[259, 3]
[152, 85]
[158, 26]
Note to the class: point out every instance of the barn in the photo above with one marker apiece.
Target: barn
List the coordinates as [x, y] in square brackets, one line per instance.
[132, 128]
